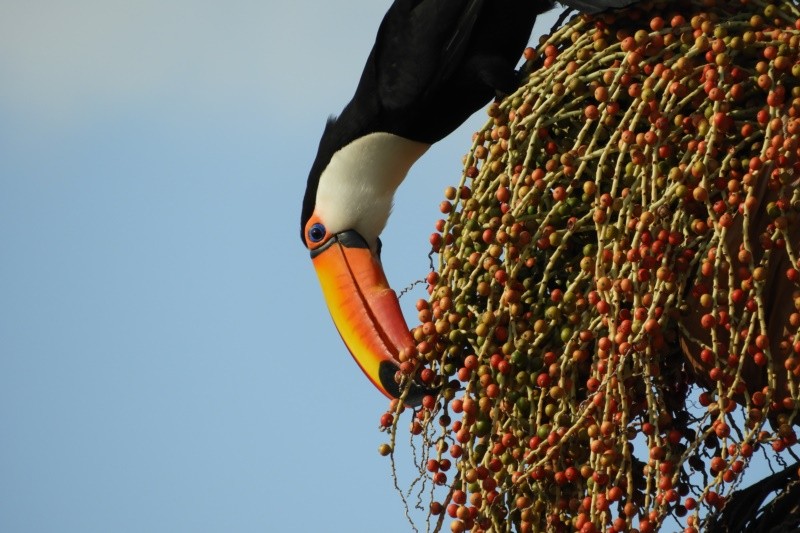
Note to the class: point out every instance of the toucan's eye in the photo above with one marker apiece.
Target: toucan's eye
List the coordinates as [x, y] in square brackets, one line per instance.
[316, 233]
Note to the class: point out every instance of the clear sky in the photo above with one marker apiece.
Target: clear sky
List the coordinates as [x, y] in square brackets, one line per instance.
[166, 359]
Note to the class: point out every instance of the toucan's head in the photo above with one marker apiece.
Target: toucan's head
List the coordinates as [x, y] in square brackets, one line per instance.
[347, 204]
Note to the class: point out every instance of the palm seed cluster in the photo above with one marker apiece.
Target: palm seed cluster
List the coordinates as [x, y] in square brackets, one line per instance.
[613, 326]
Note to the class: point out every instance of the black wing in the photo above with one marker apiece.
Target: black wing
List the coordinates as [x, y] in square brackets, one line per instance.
[419, 44]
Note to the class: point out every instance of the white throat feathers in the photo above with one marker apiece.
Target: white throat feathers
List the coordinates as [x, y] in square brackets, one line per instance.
[356, 189]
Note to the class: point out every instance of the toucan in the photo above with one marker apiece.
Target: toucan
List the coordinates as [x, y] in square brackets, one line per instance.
[434, 63]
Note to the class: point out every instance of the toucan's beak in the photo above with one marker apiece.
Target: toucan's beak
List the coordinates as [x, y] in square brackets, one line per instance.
[365, 310]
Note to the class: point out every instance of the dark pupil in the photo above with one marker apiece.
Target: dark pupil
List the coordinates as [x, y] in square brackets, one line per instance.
[316, 233]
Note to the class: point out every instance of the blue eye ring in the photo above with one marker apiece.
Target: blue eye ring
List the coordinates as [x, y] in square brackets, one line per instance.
[317, 232]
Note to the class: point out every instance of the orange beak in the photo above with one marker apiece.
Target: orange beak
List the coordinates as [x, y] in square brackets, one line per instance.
[365, 310]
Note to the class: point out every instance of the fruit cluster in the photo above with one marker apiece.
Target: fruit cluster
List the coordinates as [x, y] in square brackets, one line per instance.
[615, 313]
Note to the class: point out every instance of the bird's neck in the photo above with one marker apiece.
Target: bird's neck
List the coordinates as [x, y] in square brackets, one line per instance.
[357, 187]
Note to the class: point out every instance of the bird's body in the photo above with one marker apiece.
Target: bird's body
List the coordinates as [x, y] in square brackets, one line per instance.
[434, 63]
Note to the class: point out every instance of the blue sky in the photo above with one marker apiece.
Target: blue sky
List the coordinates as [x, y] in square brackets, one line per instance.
[166, 359]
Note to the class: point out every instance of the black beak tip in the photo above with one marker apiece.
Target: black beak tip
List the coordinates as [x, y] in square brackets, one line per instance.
[387, 372]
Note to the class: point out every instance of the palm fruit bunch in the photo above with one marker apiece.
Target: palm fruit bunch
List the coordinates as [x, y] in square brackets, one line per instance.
[613, 325]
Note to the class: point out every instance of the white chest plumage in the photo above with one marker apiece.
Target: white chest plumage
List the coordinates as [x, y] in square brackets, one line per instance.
[357, 187]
